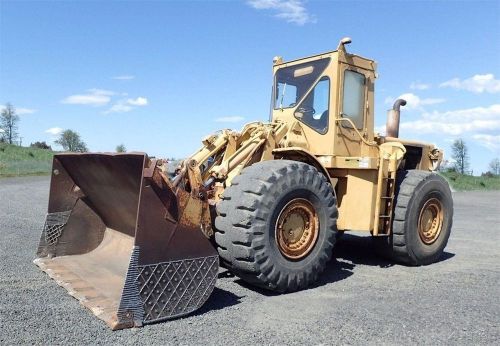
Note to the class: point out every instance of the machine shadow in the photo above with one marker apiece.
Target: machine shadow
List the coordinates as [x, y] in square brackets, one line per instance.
[219, 299]
[361, 250]
[445, 256]
[334, 271]
[350, 250]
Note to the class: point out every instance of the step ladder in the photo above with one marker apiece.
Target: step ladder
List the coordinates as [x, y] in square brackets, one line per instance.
[386, 188]
[390, 157]
[386, 205]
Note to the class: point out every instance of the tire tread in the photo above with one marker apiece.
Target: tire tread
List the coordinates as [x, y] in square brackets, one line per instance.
[240, 224]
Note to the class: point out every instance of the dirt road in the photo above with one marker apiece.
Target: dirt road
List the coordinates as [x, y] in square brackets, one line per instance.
[361, 299]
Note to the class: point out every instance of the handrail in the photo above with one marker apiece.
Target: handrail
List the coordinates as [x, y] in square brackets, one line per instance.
[359, 133]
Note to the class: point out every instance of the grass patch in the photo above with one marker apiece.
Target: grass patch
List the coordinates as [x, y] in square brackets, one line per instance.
[17, 161]
[461, 182]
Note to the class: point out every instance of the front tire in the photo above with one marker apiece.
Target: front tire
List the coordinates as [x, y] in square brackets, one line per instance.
[276, 225]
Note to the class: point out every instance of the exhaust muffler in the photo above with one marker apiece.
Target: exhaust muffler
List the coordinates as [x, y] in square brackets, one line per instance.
[393, 118]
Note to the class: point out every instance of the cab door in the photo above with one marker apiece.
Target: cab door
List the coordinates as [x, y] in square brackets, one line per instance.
[353, 106]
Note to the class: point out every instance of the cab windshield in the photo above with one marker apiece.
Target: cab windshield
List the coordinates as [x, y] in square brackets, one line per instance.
[292, 83]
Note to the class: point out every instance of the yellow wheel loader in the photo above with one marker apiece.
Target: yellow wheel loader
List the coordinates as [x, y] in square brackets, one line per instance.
[137, 246]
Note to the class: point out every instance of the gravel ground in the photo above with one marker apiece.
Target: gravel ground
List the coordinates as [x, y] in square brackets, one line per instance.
[360, 299]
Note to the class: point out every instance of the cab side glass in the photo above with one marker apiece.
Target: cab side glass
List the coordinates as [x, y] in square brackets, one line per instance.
[314, 109]
[354, 98]
[287, 95]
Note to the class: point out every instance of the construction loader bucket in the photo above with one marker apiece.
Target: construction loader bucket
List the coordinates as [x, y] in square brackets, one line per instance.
[121, 241]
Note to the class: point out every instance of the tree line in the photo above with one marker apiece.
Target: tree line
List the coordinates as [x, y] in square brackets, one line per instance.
[460, 155]
[69, 140]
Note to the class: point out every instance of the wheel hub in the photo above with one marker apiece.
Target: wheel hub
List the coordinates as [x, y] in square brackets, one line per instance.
[430, 221]
[297, 228]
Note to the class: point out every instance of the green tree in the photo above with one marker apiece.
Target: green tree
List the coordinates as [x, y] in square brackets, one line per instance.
[460, 154]
[8, 123]
[40, 145]
[495, 166]
[120, 148]
[71, 141]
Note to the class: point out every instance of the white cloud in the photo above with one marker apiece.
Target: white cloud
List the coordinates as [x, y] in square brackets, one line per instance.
[233, 119]
[126, 105]
[414, 102]
[54, 131]
[140, 101]
[101, 92]
[124, 77]
[93, 97]
[119, 107]
[419, 86]
[2, 130]
[478, 84]
[491, 142]
[100, 97]
[457, 122]
[292, 11]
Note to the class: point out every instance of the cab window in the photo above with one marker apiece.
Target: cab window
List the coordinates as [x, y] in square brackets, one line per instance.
[354, 98]
[292, 82]
[313, 110]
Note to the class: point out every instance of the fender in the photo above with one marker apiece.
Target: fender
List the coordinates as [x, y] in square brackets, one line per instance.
[300, 154]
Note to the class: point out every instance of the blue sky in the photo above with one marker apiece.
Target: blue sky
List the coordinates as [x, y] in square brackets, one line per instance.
[158, 76]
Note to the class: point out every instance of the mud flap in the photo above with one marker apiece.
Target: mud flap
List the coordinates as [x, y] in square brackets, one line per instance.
[122, 242]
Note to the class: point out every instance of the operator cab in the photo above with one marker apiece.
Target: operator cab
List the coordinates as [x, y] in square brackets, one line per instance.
[328, 98]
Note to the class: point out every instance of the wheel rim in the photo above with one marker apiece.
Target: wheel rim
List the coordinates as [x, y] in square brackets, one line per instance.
[430, 221]
[297, 229]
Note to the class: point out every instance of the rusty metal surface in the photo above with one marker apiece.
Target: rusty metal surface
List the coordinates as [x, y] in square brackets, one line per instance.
[392, 125]
[430, 221]
[114, 223]
[111, 184]
[63, 190]
[161, 240]
[97, 278]
[297, 229]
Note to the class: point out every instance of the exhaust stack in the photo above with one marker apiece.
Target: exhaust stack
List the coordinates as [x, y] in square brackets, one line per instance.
[393, 116]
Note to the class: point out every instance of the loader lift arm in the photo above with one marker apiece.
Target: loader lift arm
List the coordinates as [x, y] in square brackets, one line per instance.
[223, 155]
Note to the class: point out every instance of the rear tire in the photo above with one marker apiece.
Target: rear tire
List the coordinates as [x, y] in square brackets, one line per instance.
[422, 221]
[256, 217]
